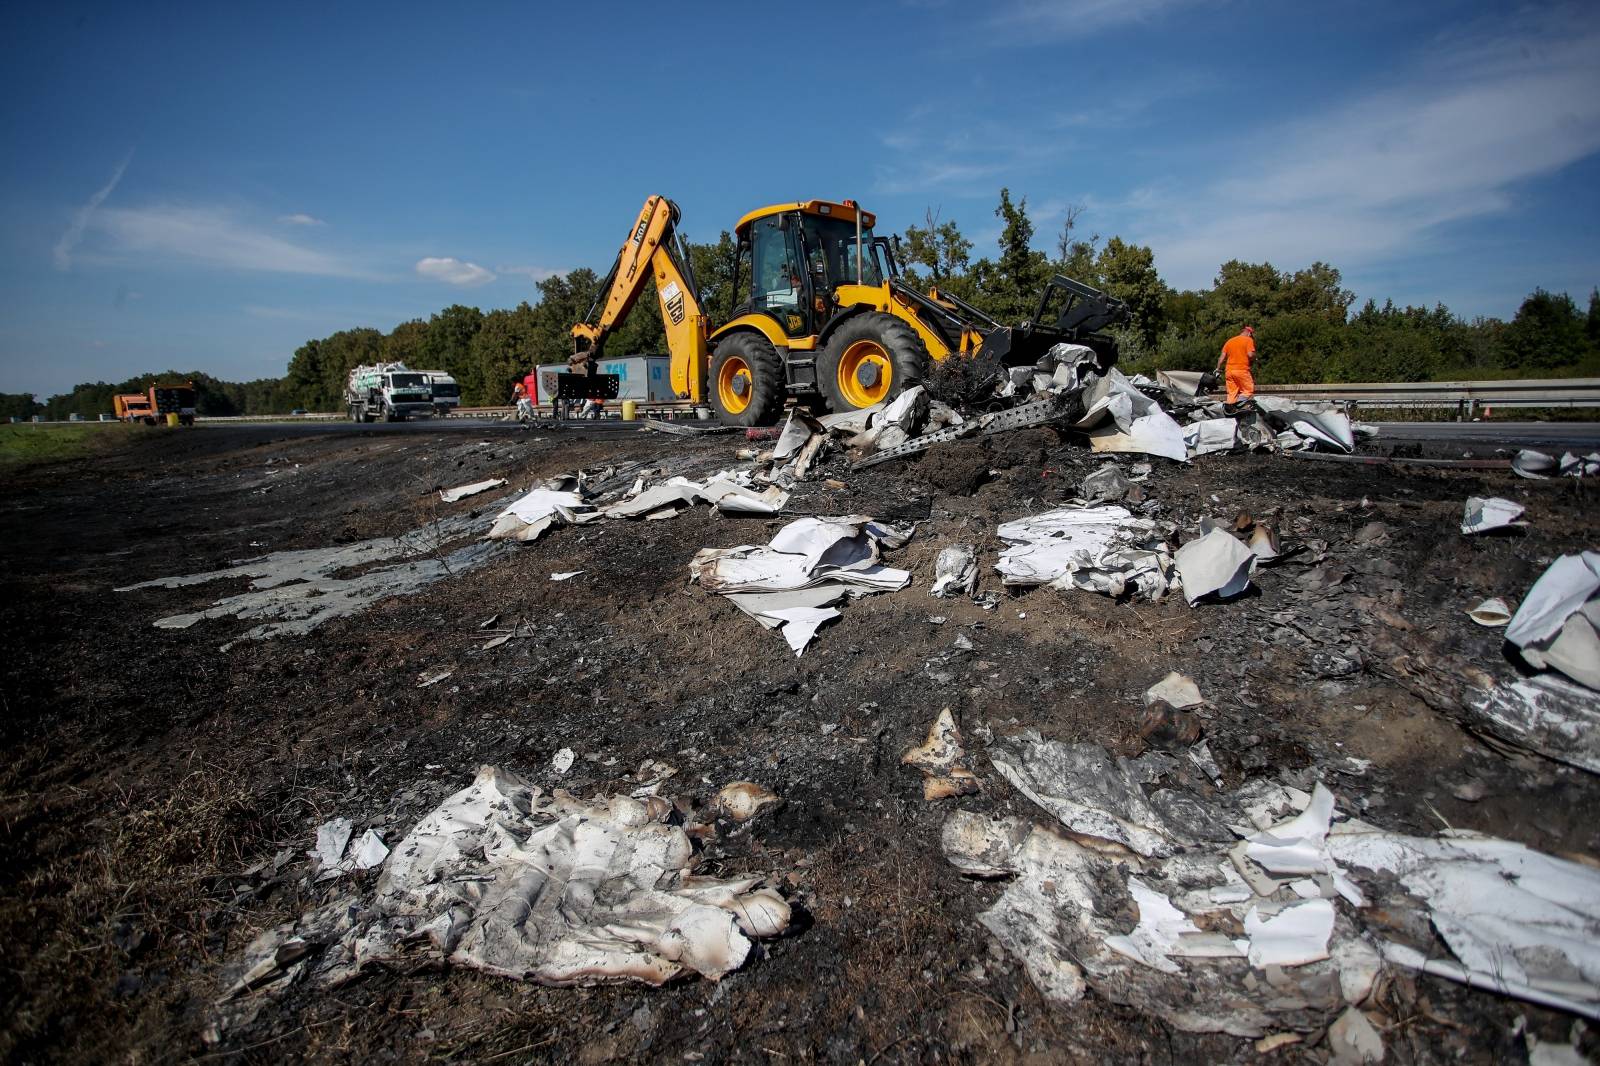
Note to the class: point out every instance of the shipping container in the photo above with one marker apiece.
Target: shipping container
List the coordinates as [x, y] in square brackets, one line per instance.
[645, 378]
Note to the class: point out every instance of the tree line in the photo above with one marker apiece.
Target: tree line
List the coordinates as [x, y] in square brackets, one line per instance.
[1305, 328]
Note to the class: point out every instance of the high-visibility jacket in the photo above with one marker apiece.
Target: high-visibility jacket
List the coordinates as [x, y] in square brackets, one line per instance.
[1238, 351]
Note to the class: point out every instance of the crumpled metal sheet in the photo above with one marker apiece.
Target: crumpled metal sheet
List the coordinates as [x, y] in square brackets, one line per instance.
[1096, 548]
[1558, 624]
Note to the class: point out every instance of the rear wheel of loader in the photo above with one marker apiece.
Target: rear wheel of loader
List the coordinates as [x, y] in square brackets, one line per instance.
[747, 381]
[870, 359]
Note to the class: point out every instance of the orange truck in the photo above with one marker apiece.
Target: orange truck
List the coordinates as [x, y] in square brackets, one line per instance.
[156, 403]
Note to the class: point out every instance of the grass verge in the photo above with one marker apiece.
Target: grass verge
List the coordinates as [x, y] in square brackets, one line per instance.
[30, 443]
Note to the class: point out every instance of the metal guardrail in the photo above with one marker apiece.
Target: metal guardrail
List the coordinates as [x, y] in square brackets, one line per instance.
[1467, 395]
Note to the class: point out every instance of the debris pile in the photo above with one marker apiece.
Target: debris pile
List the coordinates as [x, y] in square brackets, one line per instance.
[1538, 466]
[1208, 910]
[503, 878]
[1102, 548]
[792, 583]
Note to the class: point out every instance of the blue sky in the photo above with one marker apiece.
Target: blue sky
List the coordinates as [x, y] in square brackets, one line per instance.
[208, 186]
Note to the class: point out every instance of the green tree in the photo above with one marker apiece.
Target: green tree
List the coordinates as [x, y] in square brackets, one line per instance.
[1546, 333]
[19, 405]
[1243, 294]
[447, 345]
[406, 343]
[937, 246]
[1128, 272]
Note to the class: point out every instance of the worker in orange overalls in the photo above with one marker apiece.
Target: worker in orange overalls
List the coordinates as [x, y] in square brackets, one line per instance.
[1234, 365]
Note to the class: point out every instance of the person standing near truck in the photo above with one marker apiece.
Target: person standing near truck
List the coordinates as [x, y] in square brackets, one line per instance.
[519, 398]
[1235, 363]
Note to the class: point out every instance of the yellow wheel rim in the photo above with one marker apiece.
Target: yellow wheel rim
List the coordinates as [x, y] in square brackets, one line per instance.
[735, 385]
[865, 374]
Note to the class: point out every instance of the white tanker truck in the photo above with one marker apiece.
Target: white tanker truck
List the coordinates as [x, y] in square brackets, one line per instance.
[389, 391]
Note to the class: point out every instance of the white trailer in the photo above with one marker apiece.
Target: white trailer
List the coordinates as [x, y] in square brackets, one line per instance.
[446, 391]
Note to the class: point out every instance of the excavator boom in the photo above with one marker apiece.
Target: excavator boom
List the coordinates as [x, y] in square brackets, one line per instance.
[652, 251]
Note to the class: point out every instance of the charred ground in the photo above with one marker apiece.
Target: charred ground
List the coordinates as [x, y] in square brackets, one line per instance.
[159, 793]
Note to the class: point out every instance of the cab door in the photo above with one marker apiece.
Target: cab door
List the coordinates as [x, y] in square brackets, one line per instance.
[780, 285]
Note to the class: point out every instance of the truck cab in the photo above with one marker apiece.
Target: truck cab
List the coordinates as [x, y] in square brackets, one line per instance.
[390, 391]
[445, 389]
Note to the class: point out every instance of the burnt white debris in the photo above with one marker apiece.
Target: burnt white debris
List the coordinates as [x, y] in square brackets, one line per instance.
[940, 759]
[955, 571]
[743, 800]
[1215, 564]
[810, 564]
[1556, 626]
[1175, 690]
[294, 592]
[1493, 613]
[1483, 514]
[461, 492]
[549, 888]
[1299, 890]
[1095, 548]
[1532, 464]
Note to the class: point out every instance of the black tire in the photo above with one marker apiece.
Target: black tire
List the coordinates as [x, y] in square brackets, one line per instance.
[764, 378]
[906, 356]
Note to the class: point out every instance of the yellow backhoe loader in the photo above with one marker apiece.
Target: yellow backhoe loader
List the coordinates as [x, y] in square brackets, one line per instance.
[820, 313]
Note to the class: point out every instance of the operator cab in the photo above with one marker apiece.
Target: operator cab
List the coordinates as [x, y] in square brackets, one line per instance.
[792, 258]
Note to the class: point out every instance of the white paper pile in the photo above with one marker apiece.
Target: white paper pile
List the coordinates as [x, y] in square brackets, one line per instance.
[1483, 514]
[505, 879]
[1556, 626]
[810, 564]
[1099, 549]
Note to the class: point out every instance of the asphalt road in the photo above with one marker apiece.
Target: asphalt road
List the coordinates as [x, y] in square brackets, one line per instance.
[1583, 436]
[1560, 435]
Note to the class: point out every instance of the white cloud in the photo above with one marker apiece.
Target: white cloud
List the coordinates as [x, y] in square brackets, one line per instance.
[300, 218]
[80, 220]
[535, 273]
[1372, 179]
[454, 271]
[215, 236]
[1032, 19]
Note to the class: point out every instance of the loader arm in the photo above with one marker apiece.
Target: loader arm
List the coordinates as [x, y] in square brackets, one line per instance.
[653, 250]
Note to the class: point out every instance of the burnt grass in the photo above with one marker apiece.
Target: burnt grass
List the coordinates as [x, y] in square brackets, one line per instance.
[159, 794]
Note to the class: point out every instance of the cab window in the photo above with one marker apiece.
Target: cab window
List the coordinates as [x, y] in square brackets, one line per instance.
[777, 278]
[833, 241]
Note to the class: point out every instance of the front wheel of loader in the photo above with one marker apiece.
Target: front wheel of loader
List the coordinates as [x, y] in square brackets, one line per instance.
[748, 383]
[870, 359]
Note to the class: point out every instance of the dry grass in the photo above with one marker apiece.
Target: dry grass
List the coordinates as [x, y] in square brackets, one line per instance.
[124, 885]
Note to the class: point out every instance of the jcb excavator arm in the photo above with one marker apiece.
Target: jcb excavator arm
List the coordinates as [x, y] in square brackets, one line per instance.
[653, 251]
